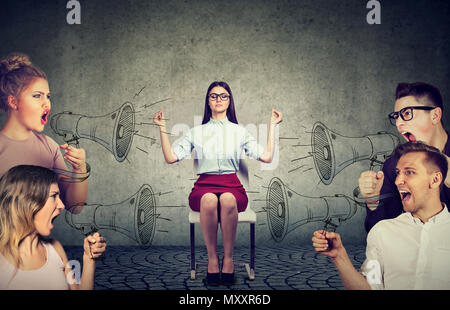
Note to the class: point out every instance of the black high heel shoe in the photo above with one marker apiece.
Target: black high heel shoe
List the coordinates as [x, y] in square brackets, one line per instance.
[212, 279]
[227, 278]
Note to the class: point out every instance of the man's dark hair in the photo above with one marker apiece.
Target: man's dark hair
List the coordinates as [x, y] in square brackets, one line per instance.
[432, 155]
[423, 92]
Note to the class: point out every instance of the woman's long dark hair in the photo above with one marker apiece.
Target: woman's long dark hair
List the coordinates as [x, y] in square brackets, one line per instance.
[231, 113]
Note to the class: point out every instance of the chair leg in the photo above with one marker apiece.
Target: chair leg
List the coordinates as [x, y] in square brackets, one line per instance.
[252, 251]
[193, 267]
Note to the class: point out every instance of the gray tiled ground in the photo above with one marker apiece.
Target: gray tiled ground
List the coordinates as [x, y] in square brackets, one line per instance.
[167, 268]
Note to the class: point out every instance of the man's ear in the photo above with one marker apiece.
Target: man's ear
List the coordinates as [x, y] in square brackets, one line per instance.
[12, 102]
[436, 115]
[436, 179]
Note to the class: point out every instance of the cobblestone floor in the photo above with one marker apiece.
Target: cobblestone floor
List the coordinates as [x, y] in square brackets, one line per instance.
[167, 268]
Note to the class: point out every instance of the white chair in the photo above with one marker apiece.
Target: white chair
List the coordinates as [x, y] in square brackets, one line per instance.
[246, 217]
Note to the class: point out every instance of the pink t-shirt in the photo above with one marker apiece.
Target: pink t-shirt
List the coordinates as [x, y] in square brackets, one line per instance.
[38, 150]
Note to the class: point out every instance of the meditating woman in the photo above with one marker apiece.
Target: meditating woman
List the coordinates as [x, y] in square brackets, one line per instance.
[218, 194]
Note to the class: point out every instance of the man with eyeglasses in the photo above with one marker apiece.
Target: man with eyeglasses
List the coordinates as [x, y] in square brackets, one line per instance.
[418, 117]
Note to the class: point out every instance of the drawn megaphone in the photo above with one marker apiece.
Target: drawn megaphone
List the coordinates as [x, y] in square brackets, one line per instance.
[114, 130]
[134, 217]
[333, 152]
[287, 210]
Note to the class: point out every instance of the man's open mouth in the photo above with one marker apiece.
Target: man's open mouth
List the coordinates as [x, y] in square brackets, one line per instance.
[405, 195]
[409, 136]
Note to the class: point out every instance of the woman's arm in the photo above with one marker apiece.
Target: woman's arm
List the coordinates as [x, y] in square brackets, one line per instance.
[94, 246]
[74, 191]
[75, 196]
[87, 276]
[168, 153]
[267, 155]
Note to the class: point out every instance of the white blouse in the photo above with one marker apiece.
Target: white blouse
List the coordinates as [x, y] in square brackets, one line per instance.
[219, 145]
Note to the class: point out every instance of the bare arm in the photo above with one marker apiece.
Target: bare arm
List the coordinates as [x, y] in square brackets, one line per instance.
[75, 196]
[275, 119]
[94, 246]
[168, 153]
[87, 276]
[352, 279]
[329, 244]
[75, 193]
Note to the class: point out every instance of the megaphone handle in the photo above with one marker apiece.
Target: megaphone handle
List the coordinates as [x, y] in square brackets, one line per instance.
[76, 144]
[375, 162]
[92, 230]
[72, 140]
[329, 222]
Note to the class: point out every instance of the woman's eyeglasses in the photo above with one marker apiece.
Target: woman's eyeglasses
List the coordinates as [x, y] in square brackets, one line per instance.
[214, 96]
[406, 113]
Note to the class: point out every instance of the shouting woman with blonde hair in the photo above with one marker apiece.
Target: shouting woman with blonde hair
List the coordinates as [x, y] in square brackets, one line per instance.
[29, 204]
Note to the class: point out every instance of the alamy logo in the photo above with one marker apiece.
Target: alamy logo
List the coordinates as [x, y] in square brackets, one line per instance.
[374, 15]
[74, 275]
[74, 15]
[374, 274]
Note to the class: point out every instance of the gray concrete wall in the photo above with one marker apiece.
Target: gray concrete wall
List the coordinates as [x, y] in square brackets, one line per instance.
[314, 60]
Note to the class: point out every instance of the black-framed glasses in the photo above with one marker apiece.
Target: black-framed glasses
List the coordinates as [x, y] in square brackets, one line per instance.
[407, 113]
[223, 96]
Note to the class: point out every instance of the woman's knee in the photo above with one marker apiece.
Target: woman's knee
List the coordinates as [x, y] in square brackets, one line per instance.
[209, 202]
[228, 202]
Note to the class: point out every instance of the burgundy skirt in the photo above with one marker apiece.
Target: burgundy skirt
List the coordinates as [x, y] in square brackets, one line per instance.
[218, 184]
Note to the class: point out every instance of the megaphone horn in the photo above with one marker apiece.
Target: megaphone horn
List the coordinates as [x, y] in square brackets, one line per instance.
[288, 210]
[114, 131]
[333, 152]
[134, 217]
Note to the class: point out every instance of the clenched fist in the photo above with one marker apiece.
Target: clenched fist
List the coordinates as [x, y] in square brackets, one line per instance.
[158, 118]
[370, 183]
